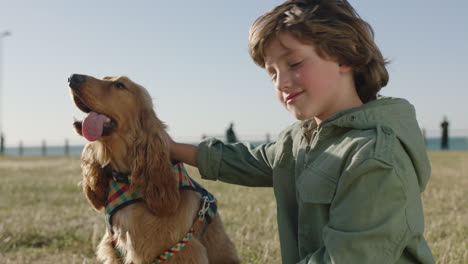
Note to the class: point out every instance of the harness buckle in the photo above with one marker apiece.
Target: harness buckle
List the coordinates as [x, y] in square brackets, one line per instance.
[204, 208]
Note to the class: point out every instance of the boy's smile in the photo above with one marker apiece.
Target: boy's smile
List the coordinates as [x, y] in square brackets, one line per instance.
[306, 84]
[293, 97]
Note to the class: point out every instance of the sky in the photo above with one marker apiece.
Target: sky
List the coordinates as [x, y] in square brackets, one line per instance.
[192, 56]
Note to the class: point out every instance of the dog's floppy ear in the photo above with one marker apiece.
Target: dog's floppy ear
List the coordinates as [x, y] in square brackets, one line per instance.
[152, 169]
[95, 181]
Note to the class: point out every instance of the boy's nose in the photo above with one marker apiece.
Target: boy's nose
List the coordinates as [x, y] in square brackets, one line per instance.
[283, 82]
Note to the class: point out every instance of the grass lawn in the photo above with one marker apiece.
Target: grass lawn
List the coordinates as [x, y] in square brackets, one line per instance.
[44, 217]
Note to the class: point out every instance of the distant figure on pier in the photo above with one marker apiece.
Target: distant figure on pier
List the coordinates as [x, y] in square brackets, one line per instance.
[424, 136]
[268, 139]
[2, 144]
[445, 138]
[20, 148]
[230, 135]
[44, 148]
[67, 147]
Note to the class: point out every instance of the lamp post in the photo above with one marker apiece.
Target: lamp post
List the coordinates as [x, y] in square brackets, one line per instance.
[2, 139]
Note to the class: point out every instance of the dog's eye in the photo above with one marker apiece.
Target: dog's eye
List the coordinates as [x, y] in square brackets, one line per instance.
[119, 85]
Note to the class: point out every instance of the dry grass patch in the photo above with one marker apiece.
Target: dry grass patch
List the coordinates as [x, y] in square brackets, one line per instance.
[44, 217]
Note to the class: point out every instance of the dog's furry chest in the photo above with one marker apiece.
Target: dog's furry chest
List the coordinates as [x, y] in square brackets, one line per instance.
[138, 232]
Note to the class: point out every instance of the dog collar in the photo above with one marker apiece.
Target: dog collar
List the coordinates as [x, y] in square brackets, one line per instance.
[121, 177]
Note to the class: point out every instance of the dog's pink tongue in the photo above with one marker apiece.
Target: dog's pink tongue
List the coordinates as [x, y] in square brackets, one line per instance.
[93, 125]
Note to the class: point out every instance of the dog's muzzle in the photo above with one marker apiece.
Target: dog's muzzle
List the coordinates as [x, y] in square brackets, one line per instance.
[75, 80]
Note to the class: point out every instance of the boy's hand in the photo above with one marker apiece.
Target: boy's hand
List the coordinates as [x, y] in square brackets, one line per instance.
[172, 145]
[183, 152]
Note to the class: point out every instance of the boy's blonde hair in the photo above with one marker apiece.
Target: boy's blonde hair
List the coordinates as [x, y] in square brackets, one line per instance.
[336, 31]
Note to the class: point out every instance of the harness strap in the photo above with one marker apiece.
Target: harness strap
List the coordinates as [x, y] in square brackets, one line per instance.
[173, 250]
[202, 213]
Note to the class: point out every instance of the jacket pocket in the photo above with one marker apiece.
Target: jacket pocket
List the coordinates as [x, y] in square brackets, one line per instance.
[316, 186]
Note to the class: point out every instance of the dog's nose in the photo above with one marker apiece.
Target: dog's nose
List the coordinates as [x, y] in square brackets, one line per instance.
[75, 80]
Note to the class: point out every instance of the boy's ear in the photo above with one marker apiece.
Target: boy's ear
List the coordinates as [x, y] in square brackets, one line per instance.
[344, 68]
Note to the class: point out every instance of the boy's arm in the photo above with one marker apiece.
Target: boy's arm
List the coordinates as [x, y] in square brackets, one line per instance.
[183, 152]
[368, 218]
[238, 163]
[233, 163]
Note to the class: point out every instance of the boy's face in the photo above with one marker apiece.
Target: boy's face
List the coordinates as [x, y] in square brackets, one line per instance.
[306, 84]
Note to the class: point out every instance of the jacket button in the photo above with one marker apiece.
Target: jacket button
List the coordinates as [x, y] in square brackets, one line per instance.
[387, 130]
[352, 118]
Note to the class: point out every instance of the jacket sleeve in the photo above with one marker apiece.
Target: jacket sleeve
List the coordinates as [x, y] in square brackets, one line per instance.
[237, 163]
[367, 217]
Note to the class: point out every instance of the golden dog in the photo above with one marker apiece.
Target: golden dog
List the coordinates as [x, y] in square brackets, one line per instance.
[127, 137]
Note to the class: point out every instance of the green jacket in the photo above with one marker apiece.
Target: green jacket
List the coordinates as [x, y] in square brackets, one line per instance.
[347, 191]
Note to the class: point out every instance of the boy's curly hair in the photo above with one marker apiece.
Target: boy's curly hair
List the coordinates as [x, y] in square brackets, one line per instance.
[336, 31]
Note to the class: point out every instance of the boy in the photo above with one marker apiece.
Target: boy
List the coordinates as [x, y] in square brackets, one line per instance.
[348, 176]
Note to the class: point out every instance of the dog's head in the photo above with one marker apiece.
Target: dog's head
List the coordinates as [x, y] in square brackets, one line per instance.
[125, 132]
[113, 105]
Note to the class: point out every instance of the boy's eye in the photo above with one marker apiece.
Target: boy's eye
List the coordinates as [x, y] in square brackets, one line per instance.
[293, 65]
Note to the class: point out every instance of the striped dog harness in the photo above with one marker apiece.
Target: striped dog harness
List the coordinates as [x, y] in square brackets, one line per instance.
[120, 196]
